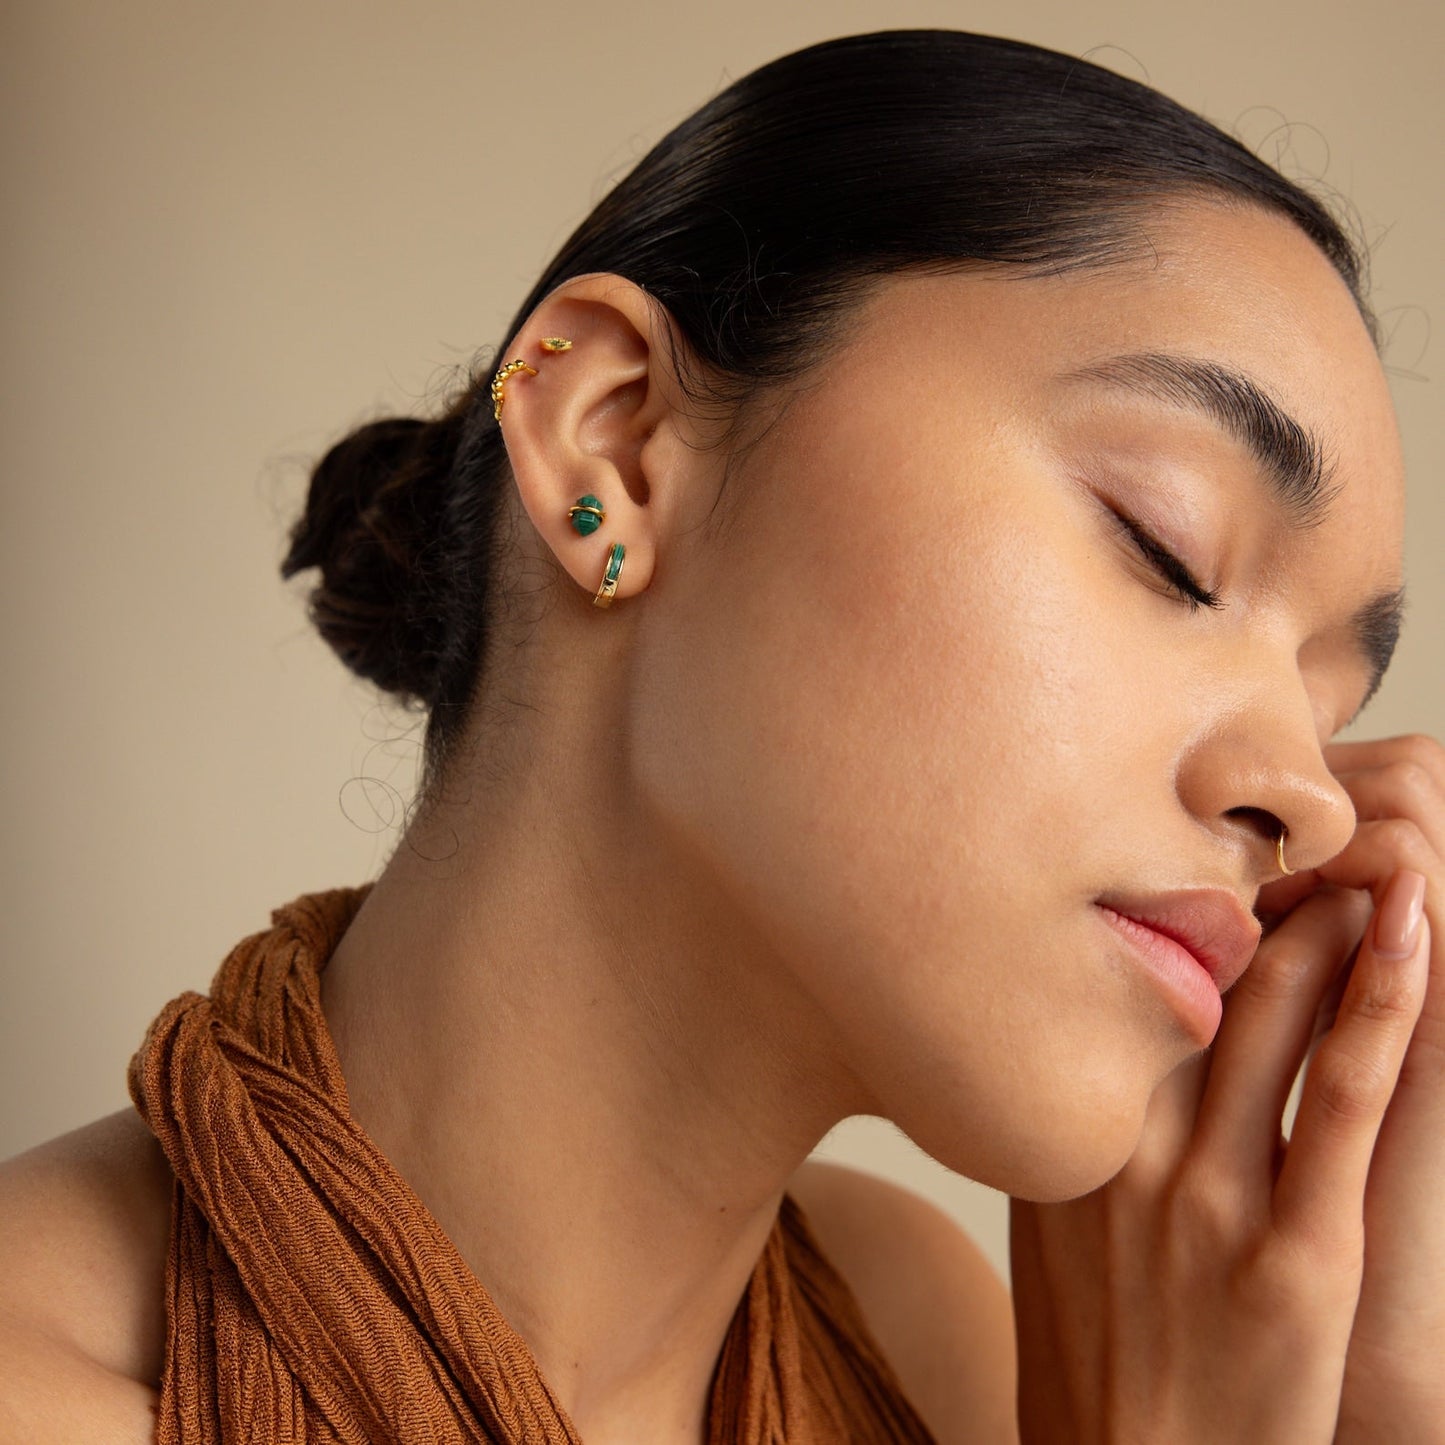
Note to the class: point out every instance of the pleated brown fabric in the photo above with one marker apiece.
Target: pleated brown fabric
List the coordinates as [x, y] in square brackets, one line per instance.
[311, 1296]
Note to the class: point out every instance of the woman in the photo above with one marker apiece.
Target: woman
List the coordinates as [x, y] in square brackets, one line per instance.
[881, 622]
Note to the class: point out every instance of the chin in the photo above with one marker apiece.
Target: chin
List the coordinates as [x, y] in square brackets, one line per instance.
[1053, 1150]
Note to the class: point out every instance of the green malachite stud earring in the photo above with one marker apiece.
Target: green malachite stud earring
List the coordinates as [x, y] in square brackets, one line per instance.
[586, 514]
[556, 343]
[610, 575]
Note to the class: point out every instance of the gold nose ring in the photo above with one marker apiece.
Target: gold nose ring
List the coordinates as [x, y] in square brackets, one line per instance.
[1279, 851]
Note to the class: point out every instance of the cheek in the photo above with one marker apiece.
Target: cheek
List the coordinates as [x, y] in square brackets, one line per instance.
[884, 741]
[900, 698]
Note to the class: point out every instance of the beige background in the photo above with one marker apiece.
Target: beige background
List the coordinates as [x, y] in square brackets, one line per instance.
[230, 232]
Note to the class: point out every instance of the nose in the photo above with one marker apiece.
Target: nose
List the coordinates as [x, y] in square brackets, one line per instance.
[1260, 771]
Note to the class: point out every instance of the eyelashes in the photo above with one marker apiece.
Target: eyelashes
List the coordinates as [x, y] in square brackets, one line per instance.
[1175, 575]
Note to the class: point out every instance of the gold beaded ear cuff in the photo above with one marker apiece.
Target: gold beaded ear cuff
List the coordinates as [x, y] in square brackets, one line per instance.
[499, 381]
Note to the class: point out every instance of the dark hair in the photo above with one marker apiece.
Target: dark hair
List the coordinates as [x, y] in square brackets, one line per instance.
[756, 223]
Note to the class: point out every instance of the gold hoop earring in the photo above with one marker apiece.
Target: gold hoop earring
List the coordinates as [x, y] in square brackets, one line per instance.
[1279, 852]
[500, 380]
[610, 574]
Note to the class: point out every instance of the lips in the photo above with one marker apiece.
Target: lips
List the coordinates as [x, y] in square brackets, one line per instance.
[1211, 924]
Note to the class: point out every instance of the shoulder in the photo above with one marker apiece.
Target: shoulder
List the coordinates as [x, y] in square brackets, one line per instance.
[934, 1303]
[84, 1229]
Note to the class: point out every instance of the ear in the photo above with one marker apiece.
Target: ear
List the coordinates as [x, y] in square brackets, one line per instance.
[602, 418]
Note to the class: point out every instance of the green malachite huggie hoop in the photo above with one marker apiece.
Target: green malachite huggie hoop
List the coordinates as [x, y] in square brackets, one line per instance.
[610, 575]
[586, 514]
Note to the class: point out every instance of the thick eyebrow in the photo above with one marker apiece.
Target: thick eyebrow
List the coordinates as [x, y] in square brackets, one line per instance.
[1288, 453]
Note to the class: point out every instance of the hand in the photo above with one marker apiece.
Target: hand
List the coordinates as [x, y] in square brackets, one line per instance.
[1394, 1386]
[1209, 1290]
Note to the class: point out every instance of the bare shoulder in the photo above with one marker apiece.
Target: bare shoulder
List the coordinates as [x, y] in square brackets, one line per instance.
[84, 1227]
[935, 1304]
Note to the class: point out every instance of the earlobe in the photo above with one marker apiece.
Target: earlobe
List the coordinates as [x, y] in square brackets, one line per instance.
[583, 402]
[586, 515]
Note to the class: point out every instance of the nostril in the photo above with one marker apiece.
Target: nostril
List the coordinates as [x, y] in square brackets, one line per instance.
[1268, 825]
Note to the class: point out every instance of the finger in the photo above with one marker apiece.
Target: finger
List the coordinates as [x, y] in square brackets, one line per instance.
[1269, 1019]
[1401, 790]
[1319, 1196]
[1379, 849]
[1382, 752]
[1279, 897]
[1329, 1009]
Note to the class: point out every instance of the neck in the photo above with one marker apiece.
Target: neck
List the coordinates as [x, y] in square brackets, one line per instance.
[594, 1076]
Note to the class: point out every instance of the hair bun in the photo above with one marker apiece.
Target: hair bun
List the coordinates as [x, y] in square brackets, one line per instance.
[371, 524]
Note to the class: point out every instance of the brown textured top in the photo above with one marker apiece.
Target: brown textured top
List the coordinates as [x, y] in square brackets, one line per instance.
[310, 1295]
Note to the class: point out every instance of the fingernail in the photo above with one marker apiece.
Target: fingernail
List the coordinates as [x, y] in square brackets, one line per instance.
[1397, 924]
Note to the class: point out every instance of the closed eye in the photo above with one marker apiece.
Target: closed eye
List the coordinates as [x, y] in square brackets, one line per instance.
[1179, 579]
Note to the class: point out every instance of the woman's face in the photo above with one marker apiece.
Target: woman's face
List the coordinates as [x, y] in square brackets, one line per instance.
[931, 696]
